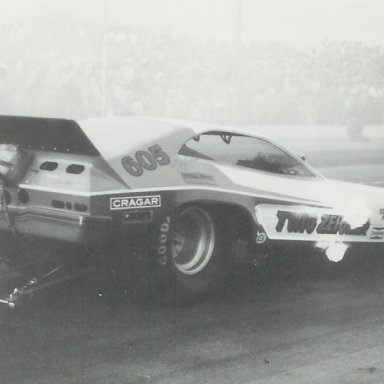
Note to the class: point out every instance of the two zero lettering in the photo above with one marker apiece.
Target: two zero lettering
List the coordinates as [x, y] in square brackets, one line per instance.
[329, 224]
[148, 160]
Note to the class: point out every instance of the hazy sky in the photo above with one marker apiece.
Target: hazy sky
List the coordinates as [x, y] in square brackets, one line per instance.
[298, 21]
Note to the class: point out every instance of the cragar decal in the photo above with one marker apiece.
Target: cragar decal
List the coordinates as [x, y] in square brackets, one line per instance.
[135, 202]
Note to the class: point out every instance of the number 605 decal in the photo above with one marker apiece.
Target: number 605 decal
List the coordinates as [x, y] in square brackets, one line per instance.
[149, 160]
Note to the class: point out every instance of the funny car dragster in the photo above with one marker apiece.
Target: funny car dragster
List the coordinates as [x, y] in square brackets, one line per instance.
[187, 191]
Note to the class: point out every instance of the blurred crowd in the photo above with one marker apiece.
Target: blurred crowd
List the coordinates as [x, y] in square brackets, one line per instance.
[83, 71]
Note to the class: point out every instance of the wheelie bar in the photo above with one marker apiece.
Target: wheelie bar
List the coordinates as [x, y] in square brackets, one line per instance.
[7, 302]
[52, 278]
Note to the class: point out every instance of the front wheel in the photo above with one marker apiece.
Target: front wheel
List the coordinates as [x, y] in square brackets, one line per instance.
[201, 250]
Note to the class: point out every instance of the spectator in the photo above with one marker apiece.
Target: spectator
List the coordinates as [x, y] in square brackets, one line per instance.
[151, 73]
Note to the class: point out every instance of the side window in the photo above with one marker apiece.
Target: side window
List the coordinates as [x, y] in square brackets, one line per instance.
[244, 151]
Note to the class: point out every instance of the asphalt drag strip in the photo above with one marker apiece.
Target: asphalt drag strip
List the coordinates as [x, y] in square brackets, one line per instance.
[309, 321]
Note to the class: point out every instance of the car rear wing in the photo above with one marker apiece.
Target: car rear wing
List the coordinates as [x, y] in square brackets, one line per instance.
[45, 134]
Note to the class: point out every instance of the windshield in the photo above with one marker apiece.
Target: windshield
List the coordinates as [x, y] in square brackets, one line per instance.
[245, 151]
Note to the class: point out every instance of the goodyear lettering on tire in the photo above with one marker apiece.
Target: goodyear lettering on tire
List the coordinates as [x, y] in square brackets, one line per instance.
[163, 247]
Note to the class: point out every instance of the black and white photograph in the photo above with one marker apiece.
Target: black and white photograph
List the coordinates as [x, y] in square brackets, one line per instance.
[191, 191]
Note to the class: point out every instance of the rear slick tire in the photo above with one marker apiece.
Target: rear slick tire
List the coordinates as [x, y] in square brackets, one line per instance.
[201, 251]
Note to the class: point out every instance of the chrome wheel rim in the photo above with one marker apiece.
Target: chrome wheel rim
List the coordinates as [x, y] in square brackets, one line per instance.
[193, 241]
